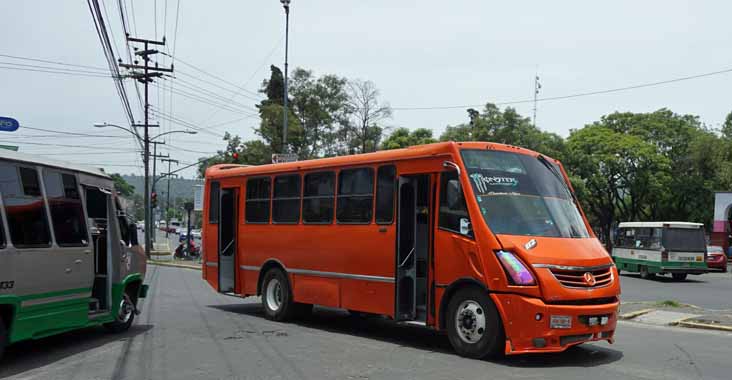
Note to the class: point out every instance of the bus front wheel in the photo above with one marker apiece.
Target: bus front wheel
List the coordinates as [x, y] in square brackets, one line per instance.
[474, 326]
[645, 274]
[679, 276]
[125, 316]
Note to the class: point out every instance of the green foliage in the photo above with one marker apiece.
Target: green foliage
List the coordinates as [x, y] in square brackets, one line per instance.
[505, 127]
[402, 138]
[252, 152]
[124, 188]
[727, 127]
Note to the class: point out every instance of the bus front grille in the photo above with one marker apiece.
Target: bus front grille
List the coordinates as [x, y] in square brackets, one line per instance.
[583, 279]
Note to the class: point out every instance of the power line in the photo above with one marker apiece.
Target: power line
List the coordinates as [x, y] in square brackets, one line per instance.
[65, 133]
[577, 95]
[55, 72]
[230, 108]
[108, 149]
[216, 98]
[217, 77]
[54, 68]
[54, 62]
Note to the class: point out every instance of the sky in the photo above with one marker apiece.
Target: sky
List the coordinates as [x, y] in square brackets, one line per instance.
[418, 54]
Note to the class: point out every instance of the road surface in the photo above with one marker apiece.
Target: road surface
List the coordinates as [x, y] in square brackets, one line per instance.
[710, 291]
[188, 331]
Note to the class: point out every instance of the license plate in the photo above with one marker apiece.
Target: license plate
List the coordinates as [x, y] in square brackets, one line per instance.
[560, 322]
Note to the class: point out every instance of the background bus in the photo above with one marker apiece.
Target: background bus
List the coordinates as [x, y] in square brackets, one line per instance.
[651, 248]
[69, 258]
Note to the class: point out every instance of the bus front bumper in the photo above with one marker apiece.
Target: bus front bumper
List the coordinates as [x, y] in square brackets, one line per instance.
[533, 326]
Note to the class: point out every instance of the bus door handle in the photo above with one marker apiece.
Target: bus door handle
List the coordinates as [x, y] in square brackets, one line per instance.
[68, 270]
[78, 261]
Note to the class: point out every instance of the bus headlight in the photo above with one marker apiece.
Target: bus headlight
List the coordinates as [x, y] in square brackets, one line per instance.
[516, 270]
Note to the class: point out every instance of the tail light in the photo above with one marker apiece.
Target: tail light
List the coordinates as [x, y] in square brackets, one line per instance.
[516, 270]
[664, 255]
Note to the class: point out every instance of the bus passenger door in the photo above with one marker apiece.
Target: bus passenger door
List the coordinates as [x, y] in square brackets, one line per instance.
[406, 272]
[227, 240]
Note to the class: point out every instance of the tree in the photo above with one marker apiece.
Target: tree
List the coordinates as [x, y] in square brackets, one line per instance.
[367, 113]
[271, 113]
[505, 127]
[618, 174]
[402, 138]
[122, 186]
[727, 127]
[253, 152]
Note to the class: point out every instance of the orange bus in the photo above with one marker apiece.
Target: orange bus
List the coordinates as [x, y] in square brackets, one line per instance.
[485, 241]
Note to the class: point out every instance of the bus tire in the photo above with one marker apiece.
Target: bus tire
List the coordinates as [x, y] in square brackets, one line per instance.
[474, 327]
[645, 274]
[125, 316]
[679, 276]
[3, 337]
[277, 296]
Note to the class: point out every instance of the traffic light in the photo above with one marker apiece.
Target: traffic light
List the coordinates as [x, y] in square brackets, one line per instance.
[235, 156]
[154, 199]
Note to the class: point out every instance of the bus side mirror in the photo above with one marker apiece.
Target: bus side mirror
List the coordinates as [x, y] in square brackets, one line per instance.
[133, 235]
[454, 194]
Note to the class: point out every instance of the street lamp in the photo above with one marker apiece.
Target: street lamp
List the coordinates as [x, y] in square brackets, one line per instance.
[144, 144]
[286, 5]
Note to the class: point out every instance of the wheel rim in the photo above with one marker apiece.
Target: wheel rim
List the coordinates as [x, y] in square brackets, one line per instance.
[273, 295]
[470, 321]
[125, 310]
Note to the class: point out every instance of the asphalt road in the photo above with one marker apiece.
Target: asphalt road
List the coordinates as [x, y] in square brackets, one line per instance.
[710, 291]
[188, 331]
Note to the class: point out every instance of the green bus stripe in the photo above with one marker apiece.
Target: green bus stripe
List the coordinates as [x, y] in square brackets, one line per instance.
[53, 294]
[665, 264]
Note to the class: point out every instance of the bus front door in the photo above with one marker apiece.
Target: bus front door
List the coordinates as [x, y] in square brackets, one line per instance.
[227, 240]
[413, 230]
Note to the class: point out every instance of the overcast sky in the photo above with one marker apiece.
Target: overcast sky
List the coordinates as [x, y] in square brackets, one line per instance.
[418, 53]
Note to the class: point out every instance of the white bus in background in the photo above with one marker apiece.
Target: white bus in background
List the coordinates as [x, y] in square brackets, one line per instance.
[651, 248]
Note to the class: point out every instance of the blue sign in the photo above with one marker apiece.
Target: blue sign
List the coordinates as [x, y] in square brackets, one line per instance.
[8, 124]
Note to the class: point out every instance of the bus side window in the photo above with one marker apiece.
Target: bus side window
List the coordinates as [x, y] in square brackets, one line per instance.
[452, 202]
[67, 214]
[24, 208]
[355, 196]
[257, 202]
[318, 197]
[213, 203]
[385, 185]
[286, 199]
[2, 233]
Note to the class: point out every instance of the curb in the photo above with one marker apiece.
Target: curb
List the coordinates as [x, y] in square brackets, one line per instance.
[174, 265]
[634, 314]
[701, 325]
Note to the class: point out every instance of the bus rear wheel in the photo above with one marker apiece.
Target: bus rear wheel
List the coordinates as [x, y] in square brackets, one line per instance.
[645, 274]
[679, 276]
[474, 326]
[277, 298]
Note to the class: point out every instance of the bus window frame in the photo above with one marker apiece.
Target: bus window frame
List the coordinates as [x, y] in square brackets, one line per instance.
[465, 201]
[44, 201]
[272, 198]
[212, 219]
[394, 191]
[4, 241]
[246, 199]
[373, 194]
[85, 216]
[332, 197]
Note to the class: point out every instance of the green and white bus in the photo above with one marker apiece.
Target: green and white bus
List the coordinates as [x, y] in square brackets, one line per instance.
[651, 248]
[69, 258]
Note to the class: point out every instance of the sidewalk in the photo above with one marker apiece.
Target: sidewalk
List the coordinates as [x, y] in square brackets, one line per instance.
[176, 263]
[672, 313]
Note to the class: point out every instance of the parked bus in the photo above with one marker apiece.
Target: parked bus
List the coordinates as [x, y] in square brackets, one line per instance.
[483, 240]
[651, 248]
[69, 258]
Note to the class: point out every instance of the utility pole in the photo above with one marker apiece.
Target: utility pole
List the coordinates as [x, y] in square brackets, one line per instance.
[537, 87]
[145, 77]
[155, 157]
[167, 196]
[286, 5]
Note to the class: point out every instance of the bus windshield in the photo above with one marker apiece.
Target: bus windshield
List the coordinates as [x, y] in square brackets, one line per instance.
[520, 194]
[684, 239]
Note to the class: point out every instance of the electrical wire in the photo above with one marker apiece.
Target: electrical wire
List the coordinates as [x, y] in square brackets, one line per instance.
[54, 62]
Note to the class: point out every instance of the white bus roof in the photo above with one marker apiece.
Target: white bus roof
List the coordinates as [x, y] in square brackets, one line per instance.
[6, 154]
[661, 224]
